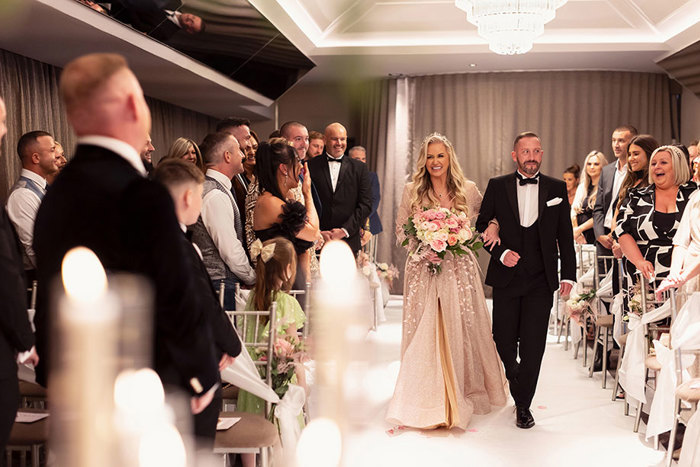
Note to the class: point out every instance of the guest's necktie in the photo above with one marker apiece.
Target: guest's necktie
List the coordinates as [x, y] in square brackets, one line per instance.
[527, 181]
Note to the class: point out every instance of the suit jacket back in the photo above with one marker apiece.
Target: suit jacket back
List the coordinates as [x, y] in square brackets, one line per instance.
[100, 201]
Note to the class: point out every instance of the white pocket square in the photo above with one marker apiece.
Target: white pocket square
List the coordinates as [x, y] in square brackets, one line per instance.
[554, 202]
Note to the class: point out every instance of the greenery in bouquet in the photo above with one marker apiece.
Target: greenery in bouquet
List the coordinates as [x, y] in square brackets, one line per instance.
[434, 232]
[580, 307]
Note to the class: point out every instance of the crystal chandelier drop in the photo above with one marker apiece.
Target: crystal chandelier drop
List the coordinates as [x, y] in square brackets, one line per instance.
[510, 26]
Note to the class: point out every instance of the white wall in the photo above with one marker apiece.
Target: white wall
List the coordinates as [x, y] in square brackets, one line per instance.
[690, 117]
[315, 105]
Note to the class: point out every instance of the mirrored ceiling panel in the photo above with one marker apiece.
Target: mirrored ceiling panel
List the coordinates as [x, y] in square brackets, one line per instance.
[230, 36]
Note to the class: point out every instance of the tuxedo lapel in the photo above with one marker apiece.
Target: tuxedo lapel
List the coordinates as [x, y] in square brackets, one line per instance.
[512, 195]
[327, 174]
[542, 192]
[344, 167]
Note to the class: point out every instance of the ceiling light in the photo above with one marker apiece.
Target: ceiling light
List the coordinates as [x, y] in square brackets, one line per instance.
[510, 26]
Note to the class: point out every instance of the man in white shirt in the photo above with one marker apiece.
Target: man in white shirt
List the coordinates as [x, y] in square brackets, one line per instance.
[609, 184]
[37, 151]
[219, 230]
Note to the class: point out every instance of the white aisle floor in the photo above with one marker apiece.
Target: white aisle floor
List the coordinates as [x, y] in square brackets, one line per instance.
[577, 424]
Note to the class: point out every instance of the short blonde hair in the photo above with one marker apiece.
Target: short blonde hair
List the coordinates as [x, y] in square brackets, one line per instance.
[82, 77]
[680, 164]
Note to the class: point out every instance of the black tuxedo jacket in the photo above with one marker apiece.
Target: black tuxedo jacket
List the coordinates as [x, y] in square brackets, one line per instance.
[603, 198]
[554, 222]
[351, 203]
[147, 16]
[100, 201]
[15, 330]
[225, 336]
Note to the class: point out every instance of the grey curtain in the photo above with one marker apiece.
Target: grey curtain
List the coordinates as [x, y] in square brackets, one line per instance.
[481, 113]
[30, 91]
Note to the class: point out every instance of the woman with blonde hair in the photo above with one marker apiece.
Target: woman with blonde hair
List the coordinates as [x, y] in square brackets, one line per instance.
[584, 199]
[186, 149]
[449, 364]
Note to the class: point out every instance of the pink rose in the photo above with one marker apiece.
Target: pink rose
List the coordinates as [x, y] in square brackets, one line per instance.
[438, 245]
[439, 215]
[433, 226]
[452, 223]
[452, 239]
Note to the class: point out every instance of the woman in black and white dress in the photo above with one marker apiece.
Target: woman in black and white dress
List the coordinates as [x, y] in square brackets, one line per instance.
[651, 217]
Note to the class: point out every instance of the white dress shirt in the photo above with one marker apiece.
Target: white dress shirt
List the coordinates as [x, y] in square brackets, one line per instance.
[123, 149]
[219, 219]
[334, 168]
[617, 183]
[22, 206]
[528, 197]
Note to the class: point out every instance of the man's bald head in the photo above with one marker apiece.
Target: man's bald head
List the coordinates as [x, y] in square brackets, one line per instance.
[336, 139]
[103, 97]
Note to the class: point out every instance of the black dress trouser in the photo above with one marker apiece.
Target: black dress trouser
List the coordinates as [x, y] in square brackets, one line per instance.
[520, 322]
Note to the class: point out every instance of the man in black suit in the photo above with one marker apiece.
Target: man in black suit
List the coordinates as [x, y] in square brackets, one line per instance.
[534, 225]
[611, 178]
[344, 190]
[15, 330]
[103, 201]
[160, 20]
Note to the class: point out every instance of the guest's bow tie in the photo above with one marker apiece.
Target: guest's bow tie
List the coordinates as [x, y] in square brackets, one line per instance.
[526, 181]
[332, 159]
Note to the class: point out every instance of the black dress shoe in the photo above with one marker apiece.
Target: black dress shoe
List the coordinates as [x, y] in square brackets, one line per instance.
[523, 418]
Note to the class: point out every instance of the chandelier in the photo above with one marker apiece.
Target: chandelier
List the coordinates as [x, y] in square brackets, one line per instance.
[510, 26]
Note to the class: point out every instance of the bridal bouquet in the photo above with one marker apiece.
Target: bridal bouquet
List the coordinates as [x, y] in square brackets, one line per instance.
[439, 231]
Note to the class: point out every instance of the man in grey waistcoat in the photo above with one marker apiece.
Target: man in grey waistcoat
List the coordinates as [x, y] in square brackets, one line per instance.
[219, 230]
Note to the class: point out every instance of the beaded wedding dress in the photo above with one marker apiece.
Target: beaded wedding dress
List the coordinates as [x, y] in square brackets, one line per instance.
[450, 368]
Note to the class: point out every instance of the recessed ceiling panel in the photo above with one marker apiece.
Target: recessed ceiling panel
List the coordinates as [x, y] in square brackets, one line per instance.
[414, 17]
[589, 15]
[658, 10]
[325, 12]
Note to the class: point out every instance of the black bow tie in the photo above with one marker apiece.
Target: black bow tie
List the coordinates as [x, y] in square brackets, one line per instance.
[527, 181]
[333, 159]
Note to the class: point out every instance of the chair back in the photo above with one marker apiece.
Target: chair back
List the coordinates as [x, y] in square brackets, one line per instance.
[304, 299]
[647, 291]
[250, 325]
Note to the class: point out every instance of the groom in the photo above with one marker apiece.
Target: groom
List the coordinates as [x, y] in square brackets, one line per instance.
[535, 229]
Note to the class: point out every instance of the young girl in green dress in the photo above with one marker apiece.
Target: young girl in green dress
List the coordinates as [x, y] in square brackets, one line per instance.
[275, 272]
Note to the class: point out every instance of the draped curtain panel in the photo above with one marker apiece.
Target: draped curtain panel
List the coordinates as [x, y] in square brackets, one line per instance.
[30, 91]
[481, 113]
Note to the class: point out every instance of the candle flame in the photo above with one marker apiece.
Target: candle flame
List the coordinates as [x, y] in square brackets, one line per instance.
[337, 263]
[84, 278]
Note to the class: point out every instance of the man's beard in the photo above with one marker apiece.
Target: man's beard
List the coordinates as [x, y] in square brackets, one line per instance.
[529, 171]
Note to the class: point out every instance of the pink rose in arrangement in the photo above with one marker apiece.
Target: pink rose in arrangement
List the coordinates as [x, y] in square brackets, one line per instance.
[431, 233]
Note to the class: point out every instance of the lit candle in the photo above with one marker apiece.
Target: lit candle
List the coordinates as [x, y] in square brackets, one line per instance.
[82, 380]
[337, 330]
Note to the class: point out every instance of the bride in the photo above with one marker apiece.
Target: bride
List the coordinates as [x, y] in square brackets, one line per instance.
[449, 365]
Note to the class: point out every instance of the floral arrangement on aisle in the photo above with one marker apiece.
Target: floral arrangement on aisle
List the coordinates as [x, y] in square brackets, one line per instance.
[635, 302]
[289, 352]
[580, 307]
[432, 233]
[387, 272]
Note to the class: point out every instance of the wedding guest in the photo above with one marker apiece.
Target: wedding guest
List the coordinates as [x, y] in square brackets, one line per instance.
[147, 155]
[696, 165]
[219, 229]
[103, 201]
[240, 129]
[37, 151]
[15, 330]
[373, 226]
[611, 179]
[585, 197]
[277, 213]
[276, 263]
[187, 150]
[346, 201]
[61, 162]
[315, 145]
[149, 17]
[298, 136]
[248, 174]
[184, 182]
[651, 217]
[571, 177]
[693, 149]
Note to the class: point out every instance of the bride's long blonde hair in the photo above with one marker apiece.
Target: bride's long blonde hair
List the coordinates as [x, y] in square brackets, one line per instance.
[423, 186]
